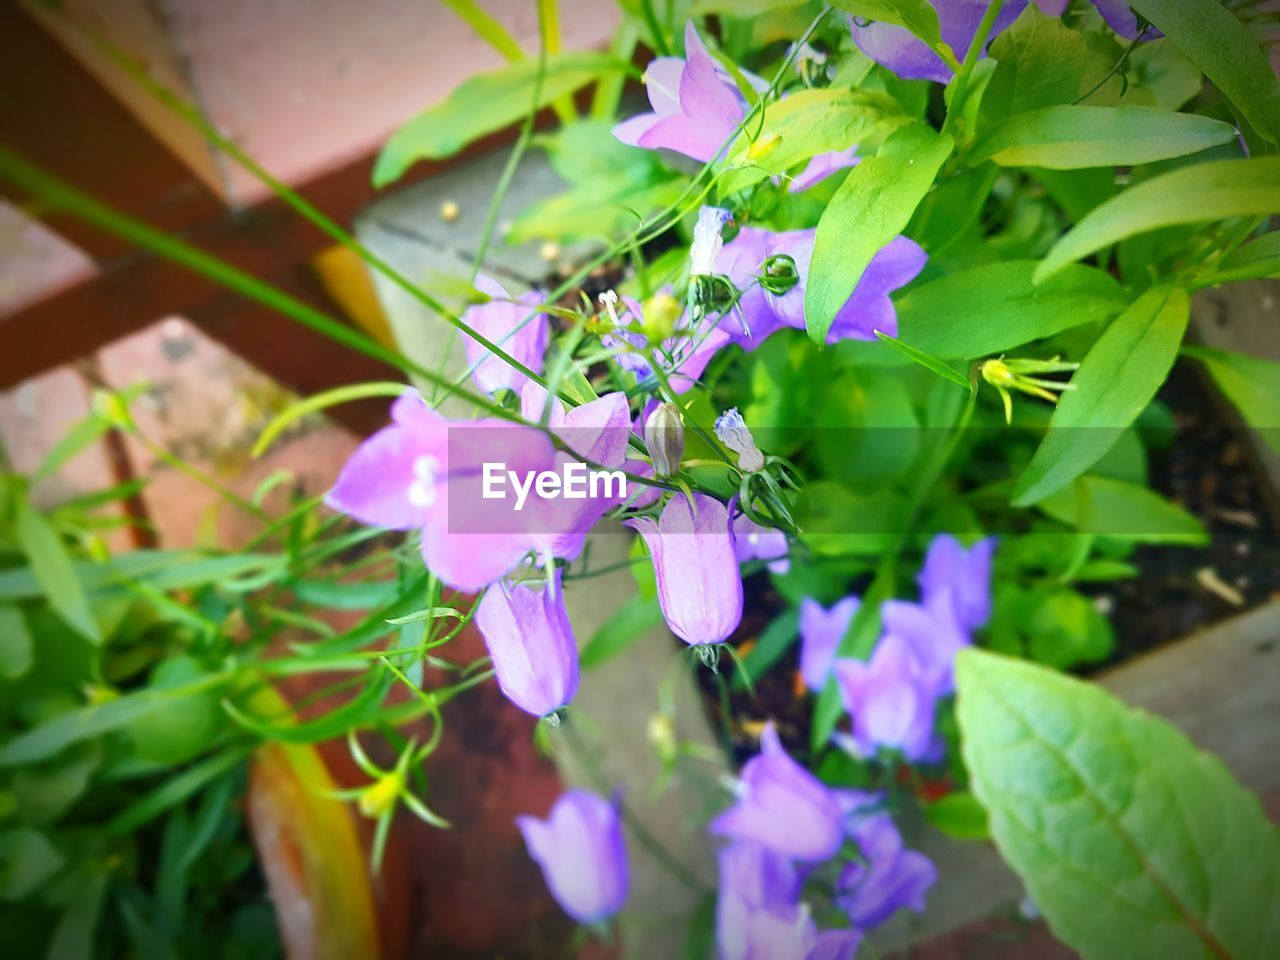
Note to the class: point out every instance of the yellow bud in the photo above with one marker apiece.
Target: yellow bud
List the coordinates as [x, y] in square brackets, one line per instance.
[764, 146]
[110, 408]
[997, 373]
[450, 211]
[661, 311]
[380, 797]
[661, 732]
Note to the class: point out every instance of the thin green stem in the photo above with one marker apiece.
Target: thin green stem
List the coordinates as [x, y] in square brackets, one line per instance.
[971, 57]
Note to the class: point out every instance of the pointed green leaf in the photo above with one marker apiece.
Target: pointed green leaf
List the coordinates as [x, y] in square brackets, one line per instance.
[1129, 511]
[928, 361]
[1074, 137]
[1131, 841]
[1228, 53]
[53, 570]
[1251, 383]
[1116, 380]
[996, 307]
[483, 104]
[870, 208]
[1192, 194]
[16, 649]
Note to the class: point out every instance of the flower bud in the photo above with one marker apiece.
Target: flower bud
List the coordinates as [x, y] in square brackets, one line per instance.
[664, 435]
[778, 274]
[381, 795]
[661, 312]
[764, 146]
[111, 408]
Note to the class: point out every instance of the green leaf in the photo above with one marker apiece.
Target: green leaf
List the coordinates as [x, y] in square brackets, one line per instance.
[16, 649]
[74, 441]
[959, 815]
[1191, 194]
[52, 736]
[870, 208]
[1251, 383]
[812, 122]
[1254, 260]
[73, 939]
[161, 569]
[1129, 511]
[1130, 840]
[483, 104]
[1224, 48]
[44, 792]
[27, 859]
[996, 307]
[1116, 380]
[175, 790]
[928, 361]
[486, 27]
[1040, 62]
[637, 616]
[1070, 138]
[52, 568]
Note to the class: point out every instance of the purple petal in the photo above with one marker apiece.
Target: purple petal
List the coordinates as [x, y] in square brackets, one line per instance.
[894, 47]
[698, 137]
[633, 130]
[820, 634]
[662, 83]
[535, 656]
[869, 308]
[822, 166]
[583, 856]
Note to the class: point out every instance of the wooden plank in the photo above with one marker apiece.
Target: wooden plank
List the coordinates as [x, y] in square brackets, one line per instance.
[1220, 686]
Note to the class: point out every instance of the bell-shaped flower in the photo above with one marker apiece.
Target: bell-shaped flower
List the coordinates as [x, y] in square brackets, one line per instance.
[897, 48]
[964, 574]
[887, 878]
[822, 166]
[783, 933]
[696, 105]
[760, 312]
[754, 542]
[783, 807]
[932, 634]
[699, 581]
[531, 643]
[821, 631]
[422, 471]
[891, 702]
[1120, 17]
[581, 852]
[507, 322]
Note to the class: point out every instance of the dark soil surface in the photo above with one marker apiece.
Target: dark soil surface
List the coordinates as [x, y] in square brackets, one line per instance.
[1208, 469]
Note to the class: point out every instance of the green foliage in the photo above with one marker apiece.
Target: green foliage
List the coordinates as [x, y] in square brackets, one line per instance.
[1224, 49]
[483, 104]
[1191, 194]
[636, 617]
[1071, 137]
[1251, 383]
[870, 208]
[1129, 839]
[1116, 380]
[996, 307]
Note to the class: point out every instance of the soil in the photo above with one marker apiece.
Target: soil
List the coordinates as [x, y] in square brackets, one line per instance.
[1207, 468]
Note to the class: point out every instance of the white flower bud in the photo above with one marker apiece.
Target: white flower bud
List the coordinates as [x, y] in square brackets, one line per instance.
[664, 435]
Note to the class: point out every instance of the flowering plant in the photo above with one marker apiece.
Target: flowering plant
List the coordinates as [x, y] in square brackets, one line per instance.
[896, 283]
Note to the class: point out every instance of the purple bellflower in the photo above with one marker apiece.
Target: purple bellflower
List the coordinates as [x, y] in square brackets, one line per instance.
[699, 581]
[1121, 18]
[820, 634]
[535, 655]
[897, 49]
[783, 807]
[761, 313]
[754, 542]
[410, 476]
[891, 701]
[888, 878]
[931, 634]
[964, 574]
[759, 916]
[696, 105]
[502, 321]
[582, 855]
